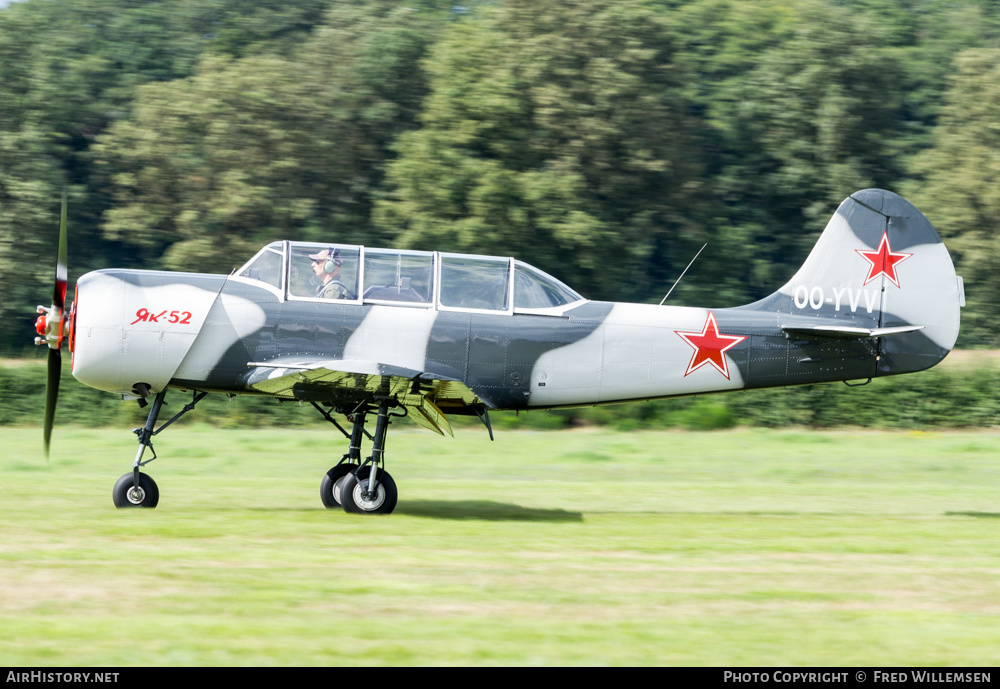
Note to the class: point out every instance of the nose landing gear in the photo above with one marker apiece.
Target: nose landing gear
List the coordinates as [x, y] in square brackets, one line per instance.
[136, 489]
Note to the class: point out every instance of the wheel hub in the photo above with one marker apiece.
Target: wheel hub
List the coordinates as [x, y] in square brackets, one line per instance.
[367, 500]
[136, 495]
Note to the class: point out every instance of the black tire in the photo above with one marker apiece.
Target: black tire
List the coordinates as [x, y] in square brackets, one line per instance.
[384, 502]
[329, 491]
[147, 496]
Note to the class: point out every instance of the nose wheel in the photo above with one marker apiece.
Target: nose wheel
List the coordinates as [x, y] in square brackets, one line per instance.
[129, 494]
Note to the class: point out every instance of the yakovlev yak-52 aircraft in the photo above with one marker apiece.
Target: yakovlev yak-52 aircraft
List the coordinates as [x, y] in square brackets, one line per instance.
[357, 331]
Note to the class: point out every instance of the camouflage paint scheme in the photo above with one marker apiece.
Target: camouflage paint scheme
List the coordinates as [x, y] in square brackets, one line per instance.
[878, 295]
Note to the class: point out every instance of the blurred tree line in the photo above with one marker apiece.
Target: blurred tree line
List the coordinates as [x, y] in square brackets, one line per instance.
[953, 396]
[601, 140]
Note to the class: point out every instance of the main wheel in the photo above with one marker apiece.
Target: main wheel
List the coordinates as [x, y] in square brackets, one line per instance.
[329, 487]
[126, 494]
[354, 496]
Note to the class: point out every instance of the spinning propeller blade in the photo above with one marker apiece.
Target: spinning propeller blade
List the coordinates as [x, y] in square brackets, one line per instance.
[51, 394]
[59, 293]
[50, 327]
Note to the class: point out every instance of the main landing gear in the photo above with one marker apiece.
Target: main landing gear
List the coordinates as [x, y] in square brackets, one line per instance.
[361, 487]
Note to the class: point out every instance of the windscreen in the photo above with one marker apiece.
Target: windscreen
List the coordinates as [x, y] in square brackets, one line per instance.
[534, 289]
[266, 266]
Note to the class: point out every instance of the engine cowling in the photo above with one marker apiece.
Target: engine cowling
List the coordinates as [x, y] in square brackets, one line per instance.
[133, 328]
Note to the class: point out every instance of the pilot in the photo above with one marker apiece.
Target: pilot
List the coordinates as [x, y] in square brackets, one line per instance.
[326, 266]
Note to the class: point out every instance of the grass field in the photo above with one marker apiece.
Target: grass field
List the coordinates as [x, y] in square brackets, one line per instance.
[571, 547]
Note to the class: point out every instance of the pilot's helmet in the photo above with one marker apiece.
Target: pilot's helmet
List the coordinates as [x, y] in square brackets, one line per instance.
[330, 257]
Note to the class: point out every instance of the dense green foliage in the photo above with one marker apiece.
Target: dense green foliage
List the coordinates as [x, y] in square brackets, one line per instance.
[602, 140]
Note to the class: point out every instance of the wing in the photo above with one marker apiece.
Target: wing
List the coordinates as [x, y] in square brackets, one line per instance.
[348, 382]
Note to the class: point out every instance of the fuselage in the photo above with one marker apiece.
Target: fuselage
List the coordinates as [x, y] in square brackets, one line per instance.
[204, 332]
[877, 295]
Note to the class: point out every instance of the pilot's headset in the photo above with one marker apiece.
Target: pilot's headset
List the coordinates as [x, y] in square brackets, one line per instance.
[334, 261]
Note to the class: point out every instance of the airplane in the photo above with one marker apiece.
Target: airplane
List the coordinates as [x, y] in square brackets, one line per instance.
[358, 331]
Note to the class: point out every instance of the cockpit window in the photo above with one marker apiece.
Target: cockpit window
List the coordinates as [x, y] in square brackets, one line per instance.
[266, 266]
[324, 271]
[392, 275]
[534, 289]
[474, 282]
[334, 271]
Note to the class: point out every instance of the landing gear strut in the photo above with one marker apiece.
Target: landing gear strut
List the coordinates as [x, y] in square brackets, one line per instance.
[136, 489]
[330, 486]
[362, 487]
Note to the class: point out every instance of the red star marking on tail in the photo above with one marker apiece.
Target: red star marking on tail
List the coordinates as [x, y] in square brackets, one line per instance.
[710, 347]
[883, 261]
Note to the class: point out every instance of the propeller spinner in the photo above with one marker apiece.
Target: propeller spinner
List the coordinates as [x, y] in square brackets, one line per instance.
[49, 327]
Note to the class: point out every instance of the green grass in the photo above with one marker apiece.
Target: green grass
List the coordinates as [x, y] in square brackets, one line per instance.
[543, 548]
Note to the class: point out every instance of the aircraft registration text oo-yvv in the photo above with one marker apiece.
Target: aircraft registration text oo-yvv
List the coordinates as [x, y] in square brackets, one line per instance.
[357, 331]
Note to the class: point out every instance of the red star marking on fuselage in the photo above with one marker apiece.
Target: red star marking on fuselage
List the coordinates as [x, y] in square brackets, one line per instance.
[883, 261]
[710, 347]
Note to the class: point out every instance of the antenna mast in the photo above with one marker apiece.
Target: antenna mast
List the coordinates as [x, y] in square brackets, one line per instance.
[682, 274]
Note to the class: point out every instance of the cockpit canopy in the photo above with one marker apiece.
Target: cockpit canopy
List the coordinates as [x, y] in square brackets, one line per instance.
[357, 274]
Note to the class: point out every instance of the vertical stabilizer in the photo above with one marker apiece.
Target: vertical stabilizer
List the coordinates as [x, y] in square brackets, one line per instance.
[880, 273]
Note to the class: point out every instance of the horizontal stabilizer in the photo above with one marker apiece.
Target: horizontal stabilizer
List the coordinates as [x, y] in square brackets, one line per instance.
[846, 332]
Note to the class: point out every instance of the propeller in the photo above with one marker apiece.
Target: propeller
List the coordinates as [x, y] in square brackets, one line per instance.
[49, 327]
